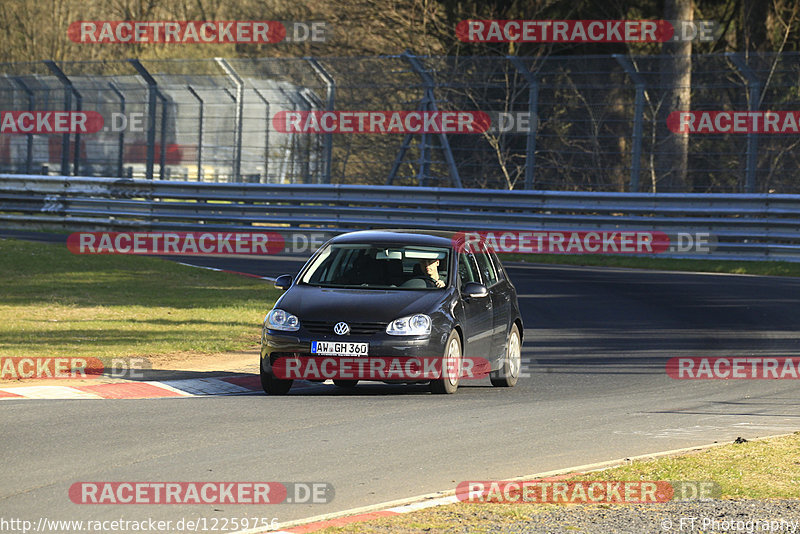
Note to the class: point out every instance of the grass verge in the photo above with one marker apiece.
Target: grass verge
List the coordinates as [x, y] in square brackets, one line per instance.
[764, 268]
[763, 469]
[56, 304]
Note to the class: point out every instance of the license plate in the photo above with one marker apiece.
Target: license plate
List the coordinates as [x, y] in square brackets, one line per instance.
[339, 348]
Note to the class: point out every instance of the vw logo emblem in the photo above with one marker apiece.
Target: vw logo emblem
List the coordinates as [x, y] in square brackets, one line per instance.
[341, 329]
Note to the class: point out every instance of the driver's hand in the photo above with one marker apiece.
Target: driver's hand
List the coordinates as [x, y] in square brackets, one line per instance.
[439, 282]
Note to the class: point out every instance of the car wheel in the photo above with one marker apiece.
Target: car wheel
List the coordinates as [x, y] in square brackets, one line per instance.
[274, 386]
[451, 366]
[346, 383]
[508, 374]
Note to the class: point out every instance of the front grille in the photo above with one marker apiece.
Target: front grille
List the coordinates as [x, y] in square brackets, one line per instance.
[356, 329]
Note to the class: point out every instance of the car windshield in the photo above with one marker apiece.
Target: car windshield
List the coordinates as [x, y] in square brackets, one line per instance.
[371, 266]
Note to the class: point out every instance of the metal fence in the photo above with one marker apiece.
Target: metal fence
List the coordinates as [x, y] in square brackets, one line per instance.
[598, 122]
[756, 226]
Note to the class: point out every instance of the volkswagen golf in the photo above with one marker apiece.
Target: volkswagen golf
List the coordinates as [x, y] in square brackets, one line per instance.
[406, 295]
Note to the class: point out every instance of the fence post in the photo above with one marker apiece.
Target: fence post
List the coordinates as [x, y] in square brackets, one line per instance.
[266, 134]
[237, 119]
[69, 90]
[754, 95]
[164, 109]
[121, 142]
[638, 119]
[533, 110]
[330, 93]
[233, 99]
[431, 105]
[305, 163]
[152, 91]
[29, 137]
[199, 135]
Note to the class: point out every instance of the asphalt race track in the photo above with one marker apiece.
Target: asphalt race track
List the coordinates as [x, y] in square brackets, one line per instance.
[595, 347]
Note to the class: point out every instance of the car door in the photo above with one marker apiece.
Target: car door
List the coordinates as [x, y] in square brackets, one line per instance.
[478, 318]
[500, 295]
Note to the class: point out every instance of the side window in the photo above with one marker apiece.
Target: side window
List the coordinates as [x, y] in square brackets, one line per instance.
[498, 267]
[467, 269]
[486, 268]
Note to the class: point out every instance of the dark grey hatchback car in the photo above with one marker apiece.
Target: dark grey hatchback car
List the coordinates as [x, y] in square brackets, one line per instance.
[374, 294]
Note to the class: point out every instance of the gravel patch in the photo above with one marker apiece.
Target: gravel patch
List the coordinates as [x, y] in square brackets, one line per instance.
[712, 516]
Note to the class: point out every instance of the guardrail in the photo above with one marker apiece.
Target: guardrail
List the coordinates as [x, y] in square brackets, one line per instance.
[746, 226]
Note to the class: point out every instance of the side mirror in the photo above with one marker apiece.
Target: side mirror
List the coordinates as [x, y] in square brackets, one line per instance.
[284, 281]
[474, 289]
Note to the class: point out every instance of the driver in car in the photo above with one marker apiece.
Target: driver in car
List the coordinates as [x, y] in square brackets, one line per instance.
[430, 270]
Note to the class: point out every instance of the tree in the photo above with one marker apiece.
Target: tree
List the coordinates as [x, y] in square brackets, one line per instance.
[672, 155]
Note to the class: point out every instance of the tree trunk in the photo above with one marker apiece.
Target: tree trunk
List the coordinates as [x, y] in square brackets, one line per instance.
[676, 83]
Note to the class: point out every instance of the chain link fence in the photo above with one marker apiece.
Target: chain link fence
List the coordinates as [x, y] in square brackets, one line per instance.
[575, 123]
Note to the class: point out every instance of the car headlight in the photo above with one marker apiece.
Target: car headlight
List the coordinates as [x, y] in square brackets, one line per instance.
[413, 325]
[278, 319]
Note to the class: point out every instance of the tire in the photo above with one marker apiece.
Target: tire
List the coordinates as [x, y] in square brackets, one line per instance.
[451, 367]
[274, 386]
[508, 374]
[346, 383]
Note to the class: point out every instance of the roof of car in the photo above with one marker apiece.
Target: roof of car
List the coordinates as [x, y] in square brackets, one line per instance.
[399, 236]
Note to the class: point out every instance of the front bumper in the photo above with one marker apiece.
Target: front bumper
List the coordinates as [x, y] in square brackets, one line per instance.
[276, 344]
